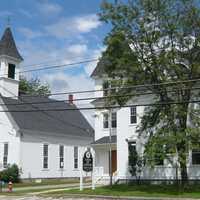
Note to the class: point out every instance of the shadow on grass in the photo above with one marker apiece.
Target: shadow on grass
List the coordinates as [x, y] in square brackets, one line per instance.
[192, 191]
[167, 190]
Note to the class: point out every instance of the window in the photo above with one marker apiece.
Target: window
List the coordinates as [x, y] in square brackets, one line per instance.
[114, 120]
[109, 87]
[105, 120]
[5, 155]
[45, 156]
[133, 115]
[132, 157]
[196, 157]
[75, 157]
[61, 156]
[11, 71]
[132, 147]
[105, 88]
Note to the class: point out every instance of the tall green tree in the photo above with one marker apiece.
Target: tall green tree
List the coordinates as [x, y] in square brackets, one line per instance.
[154, 42]
[33, 87]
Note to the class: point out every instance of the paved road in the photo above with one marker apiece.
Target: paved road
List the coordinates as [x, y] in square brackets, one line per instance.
[40, 198]
[79, 198]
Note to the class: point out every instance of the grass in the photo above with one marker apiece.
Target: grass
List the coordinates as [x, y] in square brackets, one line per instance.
[192, 191]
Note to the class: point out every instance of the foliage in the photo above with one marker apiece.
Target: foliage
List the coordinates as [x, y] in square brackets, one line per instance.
[10, 174]
[154, 42]
[135, 163]
[33, 86]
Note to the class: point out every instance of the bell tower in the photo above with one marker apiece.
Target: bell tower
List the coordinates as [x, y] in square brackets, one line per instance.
[9, 65]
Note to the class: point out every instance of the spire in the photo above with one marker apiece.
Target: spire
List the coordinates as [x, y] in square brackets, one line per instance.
[8, 21]
[8, 46]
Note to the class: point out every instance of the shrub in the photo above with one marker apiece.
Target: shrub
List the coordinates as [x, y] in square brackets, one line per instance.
[10, 174]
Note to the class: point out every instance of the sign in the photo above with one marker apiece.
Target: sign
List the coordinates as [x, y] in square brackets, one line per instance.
[87, 161]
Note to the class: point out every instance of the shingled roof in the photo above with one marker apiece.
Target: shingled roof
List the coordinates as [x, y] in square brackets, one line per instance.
[8, 46]
[100, 68]
[66, 122]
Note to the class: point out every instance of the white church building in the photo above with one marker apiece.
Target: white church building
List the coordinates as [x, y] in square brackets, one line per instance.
[44, 144]
[124, 122]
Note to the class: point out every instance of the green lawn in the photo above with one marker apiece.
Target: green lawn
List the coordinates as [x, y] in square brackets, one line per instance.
[137, 190]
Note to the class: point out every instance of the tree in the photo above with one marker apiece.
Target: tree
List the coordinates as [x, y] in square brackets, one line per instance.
[135, 163]
[33, 87]
[11, 173]
[154, 42]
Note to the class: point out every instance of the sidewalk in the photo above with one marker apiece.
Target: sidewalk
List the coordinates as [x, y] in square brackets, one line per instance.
[41, 187]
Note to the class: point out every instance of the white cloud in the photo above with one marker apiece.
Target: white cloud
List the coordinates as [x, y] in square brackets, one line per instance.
[30, 34]
[87, 23]
[49, 9]
[78, 49]
[73, 26]
[49, 53]
[60, 82]
[71, 47]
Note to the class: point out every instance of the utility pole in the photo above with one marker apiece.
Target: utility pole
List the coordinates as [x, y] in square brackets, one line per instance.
[110, 144]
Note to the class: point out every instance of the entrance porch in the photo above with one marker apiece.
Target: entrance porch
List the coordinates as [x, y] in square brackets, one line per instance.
[102, 166]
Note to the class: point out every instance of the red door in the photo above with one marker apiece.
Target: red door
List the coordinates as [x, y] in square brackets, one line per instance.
[114, 161]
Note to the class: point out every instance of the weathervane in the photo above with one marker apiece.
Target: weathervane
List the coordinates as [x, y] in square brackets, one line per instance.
[8, 21]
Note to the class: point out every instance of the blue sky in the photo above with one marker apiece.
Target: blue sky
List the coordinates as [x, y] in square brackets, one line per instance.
[57, 32]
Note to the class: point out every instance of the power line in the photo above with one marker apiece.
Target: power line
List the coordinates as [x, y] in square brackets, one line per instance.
[48, 62]
[59, 66]
[58, 120]
[55, 66]
[104, 107]
[116, 88]
[92, 98]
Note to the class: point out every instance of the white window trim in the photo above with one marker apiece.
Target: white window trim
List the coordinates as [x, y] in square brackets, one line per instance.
[133, 124]
[61, 169]
[45, 169]
[5, 166]
[76, 158]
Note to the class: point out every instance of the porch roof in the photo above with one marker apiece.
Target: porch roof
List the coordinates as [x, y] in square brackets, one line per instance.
[106, 140]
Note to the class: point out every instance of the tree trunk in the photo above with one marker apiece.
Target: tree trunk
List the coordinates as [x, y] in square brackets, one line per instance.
[184, 174]
[182, 146]
[182, 157]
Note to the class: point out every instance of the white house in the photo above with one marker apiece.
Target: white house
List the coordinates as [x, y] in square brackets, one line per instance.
[124, 122]
[44, 144]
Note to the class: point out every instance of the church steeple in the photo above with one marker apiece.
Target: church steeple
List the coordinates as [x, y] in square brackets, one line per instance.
[10, 59]
[8, 46]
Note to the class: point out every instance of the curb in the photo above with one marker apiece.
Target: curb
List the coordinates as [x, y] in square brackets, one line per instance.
[121, 197]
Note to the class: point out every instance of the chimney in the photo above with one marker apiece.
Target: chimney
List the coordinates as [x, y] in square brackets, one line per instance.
[71, 99]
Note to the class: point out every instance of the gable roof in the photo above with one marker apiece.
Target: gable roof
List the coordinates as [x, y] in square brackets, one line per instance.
[8, 46]
[100, 68]
[105, 140]
[67, 122]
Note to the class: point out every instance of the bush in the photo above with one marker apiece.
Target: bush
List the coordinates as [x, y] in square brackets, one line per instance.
[10, 174]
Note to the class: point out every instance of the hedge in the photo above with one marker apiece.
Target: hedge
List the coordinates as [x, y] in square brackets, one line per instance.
[10, 174]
